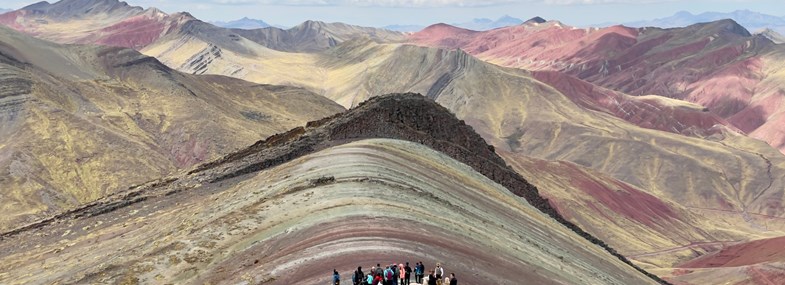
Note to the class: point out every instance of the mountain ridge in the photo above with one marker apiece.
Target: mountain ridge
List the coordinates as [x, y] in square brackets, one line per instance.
[133, 118]
[591, 147]
[66, 9]
[484, 24]
[315, 36]
[477, 24]
[115, 23]
[243, 23]
[398, 116]
[751, 20]
[108, 22]
[699, 59]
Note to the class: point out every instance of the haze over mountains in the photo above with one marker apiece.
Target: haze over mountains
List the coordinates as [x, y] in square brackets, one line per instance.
[548, 151]
[753, 21]
[477, 24]
[244, 23]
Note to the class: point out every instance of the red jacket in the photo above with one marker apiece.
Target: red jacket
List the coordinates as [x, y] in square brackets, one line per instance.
[377, 279]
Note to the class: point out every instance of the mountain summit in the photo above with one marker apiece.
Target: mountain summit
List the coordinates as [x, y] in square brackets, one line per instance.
[69, 9]
[244, 23]
[306, 192]
[484, 24]
[753, 21]
[535, 20]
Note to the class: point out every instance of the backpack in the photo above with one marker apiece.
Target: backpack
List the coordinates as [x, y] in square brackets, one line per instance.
[389, 274]
[369, 280]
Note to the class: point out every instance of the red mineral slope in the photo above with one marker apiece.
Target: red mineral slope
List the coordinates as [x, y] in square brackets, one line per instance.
[532, 45]
[107, 22]
[444, 35]
[718, 65]
[753, 262]
[651, 112]
[139, 31]
[742, 254]
[612, 209]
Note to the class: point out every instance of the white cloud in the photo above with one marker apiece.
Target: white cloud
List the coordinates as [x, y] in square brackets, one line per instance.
[429, 3]
[376, 3]
[425, 3]
[590, 2]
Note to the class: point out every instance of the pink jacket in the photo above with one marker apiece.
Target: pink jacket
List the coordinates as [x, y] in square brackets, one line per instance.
[400, 269]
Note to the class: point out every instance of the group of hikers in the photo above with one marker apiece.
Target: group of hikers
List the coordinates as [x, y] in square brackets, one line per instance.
[399, 274]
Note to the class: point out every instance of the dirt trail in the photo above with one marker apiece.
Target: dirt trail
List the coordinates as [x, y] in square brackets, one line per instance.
[675, 249]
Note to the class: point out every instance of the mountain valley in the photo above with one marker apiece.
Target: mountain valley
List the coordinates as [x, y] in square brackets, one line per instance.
[138, 146]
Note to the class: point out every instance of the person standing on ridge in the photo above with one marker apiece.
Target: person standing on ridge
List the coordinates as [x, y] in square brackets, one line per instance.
[431, 279]
[401, 274]
[417, 272]
[336, 278]
[439, 271]
[379, 270]
[453, 280]
[407, 274]
[396, 272]
[420, 272]
[358, 276]
[389, 274]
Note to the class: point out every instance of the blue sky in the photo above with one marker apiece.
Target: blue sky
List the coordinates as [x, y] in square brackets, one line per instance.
[425, 12]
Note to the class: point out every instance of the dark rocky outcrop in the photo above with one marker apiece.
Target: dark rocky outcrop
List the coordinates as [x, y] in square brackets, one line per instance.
[535, 20]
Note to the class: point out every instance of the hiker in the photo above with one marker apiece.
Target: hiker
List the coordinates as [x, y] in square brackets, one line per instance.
[407, 274]
[453, 280]
[439, 271]
[397, 269]
[388, 276]
[396, 273]
[422, 270]
[419, 271]
[431, 279]
[336, 278]
[358, 276]
[369, 279]
[401, 274]
[377, 280]
[379, 270]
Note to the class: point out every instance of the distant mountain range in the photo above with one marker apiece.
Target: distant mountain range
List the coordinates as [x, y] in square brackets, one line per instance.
[244, 23]
[484, 24]
[404, 28]
[477, 24]
[753, 21]
[115, 23]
